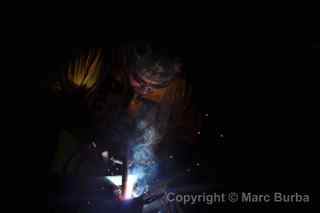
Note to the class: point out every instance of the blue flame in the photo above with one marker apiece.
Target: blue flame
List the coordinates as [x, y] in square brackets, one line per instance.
[143, 165]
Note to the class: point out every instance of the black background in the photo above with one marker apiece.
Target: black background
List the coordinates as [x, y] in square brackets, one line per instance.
[242, 80]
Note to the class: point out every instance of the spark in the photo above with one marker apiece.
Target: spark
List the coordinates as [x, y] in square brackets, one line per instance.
[116, 161]
[94, 144]
[105, 154]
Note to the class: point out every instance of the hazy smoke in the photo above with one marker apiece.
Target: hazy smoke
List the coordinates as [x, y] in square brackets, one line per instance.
[143, 164]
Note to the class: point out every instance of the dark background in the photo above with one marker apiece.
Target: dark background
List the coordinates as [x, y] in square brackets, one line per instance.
[239, 87]
[315, 44]
[241, 82]
[253, 96]
[209, 95]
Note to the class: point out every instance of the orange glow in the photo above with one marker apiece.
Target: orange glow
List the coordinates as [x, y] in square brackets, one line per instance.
[85, 72]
